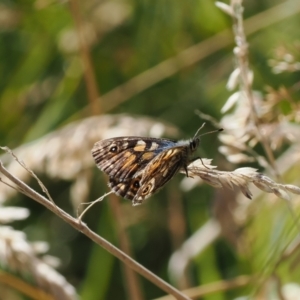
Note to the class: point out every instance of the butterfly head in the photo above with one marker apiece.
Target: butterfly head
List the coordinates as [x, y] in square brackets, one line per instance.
[196, 139]
[194, 143]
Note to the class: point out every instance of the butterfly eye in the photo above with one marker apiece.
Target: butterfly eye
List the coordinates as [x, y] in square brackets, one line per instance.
[194, 144]
[113, 149]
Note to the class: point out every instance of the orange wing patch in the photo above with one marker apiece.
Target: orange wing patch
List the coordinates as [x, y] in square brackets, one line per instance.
[148, 155]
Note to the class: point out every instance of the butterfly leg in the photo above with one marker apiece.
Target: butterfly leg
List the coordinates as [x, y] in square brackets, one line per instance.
[194, 159]
[186, 171]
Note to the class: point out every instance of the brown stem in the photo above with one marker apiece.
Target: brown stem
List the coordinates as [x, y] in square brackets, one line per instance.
[23, 287]
[215, 287]
[133, 284]
[88, 72]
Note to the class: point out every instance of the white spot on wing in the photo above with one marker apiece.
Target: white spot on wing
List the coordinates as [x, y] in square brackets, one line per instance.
[141, 143]
[153, 146]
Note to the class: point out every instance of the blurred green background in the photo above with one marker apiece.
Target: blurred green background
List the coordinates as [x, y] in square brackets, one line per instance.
[43, 88]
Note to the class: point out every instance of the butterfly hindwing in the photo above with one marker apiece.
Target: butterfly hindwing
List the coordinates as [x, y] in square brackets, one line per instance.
[157, 173]
[150, 179]
[126, 188]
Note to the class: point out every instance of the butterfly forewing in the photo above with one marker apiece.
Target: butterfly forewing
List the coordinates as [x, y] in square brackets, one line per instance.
[123, 157]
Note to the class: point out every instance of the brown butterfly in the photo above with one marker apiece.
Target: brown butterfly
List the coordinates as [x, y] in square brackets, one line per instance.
[139, 166]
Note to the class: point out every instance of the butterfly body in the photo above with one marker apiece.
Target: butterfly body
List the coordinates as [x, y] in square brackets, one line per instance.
[139, 166]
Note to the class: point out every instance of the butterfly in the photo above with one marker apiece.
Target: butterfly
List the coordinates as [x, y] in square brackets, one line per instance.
[139, 166]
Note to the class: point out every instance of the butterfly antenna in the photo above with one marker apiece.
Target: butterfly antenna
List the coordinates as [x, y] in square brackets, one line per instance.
[199, 129]
[213, 131]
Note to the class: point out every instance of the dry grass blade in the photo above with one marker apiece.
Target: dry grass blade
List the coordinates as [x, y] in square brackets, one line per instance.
[241, 178]
[44, 189]
[90, 204]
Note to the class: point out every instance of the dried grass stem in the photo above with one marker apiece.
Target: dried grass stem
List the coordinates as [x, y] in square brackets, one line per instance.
[82, 227]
